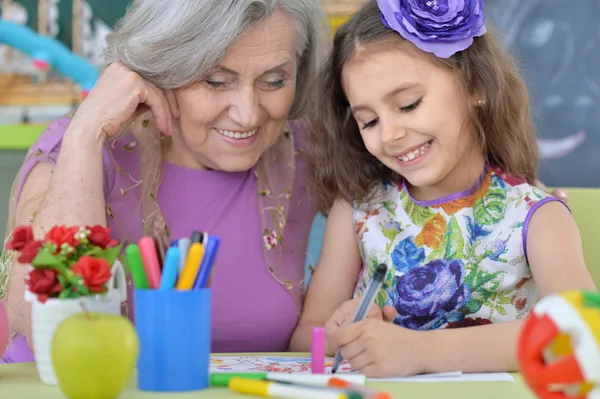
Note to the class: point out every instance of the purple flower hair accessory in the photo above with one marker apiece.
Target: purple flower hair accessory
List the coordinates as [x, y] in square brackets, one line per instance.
[441, 27]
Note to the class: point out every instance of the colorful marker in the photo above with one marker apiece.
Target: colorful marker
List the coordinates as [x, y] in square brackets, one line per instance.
[196, 237]
[211, 249]
[184, 247]
[150, 259]
[286, 390]
[170, 269]
[367, 393]
[138, 273]
[317, 350]
[192, 264]
[363, 306]
[221, 379]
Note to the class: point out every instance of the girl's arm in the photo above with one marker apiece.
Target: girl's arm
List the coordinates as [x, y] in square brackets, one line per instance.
[556, 259]
[335, 275]
[379, 349]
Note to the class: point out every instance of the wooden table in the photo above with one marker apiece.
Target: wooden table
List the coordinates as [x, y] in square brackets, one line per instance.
[21, 381]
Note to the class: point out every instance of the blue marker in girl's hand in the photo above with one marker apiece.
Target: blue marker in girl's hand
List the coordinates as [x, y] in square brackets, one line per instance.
[365, 303]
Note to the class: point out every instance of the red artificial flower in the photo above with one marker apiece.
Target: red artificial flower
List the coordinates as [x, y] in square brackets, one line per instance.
[95, 272]
[100, 236]
[22, 235]
[469, 322]
[44, 283]
[29, 252]
[60, 235]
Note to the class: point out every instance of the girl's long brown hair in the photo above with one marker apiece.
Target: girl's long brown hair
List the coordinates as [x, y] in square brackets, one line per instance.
[341, 166]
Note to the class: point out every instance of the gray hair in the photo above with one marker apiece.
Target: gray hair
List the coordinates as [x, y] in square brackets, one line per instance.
[175, 43]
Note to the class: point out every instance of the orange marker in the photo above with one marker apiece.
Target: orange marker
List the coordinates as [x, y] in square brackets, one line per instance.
[366, 393]
[190, 270]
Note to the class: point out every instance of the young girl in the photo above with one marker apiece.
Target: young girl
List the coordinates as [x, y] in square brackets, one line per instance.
[424, 154]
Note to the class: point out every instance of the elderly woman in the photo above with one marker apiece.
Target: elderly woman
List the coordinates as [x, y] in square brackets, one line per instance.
[197, 123]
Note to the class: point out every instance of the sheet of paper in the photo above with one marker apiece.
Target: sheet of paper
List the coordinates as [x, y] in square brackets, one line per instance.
[290, 364]
[455, 376]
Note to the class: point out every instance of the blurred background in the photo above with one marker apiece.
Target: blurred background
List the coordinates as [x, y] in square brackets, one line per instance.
[52, 50]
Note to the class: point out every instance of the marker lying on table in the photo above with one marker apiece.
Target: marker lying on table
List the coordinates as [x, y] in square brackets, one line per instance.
[287, 390]
[367, 393]
[222, 379]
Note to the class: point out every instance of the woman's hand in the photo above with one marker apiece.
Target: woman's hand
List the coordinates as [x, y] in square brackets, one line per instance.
[345, 314]
[377, 348]
[119, 97]
[557, 192]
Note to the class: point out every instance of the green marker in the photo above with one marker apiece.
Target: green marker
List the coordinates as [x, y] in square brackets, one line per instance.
[221, 379]
[140, 280]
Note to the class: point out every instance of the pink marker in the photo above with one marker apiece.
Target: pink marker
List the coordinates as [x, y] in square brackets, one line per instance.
[317, 351]
[150, 258]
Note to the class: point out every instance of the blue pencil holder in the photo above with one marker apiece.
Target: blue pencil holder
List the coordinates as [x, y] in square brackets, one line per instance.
[174, 333]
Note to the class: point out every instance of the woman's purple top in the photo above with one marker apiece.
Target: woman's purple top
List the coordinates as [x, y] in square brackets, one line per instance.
[251, 311]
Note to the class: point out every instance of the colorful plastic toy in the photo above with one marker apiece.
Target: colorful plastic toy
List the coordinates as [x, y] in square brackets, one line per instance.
[559, 348]
[47, 52]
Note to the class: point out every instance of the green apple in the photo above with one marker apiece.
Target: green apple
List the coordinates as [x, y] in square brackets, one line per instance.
[94, 354]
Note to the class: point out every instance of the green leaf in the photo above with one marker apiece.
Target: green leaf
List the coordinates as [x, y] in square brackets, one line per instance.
[45, 258]
[483, 277]
[503, 300]
[472, 306]
[490, 209]
[437, 253]
[501, 310]
[110, 254]
[454, 241]
[390, 206]
[65, 294]
[62, 280]
[419, 215]
[83, 290]
[381, 298]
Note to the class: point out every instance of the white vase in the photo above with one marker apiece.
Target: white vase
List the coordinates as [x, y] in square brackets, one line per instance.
[46, 317]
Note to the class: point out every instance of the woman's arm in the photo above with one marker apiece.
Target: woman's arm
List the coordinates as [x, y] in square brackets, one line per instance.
[334, 278]
[556, 259]
[72, 194]
[379, 349]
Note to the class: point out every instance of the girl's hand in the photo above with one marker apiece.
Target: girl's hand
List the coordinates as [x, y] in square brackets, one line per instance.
[377, 348]
[119, 97]
[345, 314]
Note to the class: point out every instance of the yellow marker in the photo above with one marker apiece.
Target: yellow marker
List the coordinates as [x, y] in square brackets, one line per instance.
[190, 270]
[283, 390]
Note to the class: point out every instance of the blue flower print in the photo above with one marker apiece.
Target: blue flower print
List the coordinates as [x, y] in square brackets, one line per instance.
[431, 295]
[476, 231]
[498, 248]
[392, 225]
[407, 255]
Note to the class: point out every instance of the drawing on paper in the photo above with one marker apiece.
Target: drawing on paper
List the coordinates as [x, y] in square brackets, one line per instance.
[270, 364]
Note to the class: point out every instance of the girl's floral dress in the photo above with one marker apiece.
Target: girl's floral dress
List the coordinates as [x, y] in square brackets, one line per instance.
[454, 262]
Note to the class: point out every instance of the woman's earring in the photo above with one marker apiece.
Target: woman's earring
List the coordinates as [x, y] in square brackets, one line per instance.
[480, 102]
